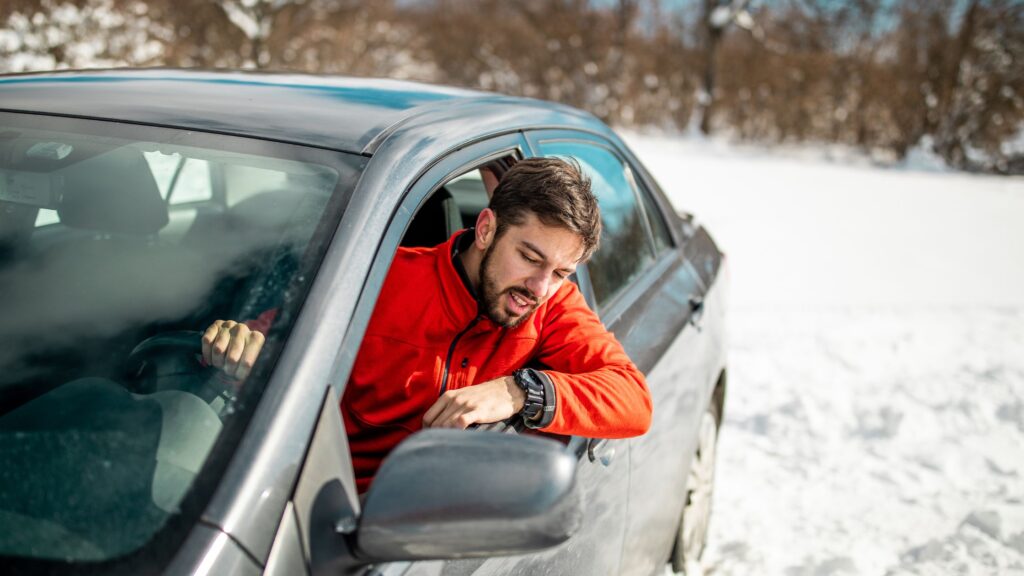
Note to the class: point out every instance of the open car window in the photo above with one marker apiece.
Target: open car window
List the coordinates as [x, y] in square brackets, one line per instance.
[455, 204]
[107, 418]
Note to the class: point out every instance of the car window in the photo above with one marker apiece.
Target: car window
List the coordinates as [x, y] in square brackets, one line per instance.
[193, 183]
[659, 230]
[243, 181]
[46, 217]
[470, 194]
[454, 205]
[164, 168]
[180, 180]
[106, 418]
[625, 248]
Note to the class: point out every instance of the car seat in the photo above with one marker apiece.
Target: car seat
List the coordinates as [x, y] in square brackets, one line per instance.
[436, 220]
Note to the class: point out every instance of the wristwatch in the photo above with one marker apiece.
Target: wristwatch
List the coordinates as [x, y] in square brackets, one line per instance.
[539, 407]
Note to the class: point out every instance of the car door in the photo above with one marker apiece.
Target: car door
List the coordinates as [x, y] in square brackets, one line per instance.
[596, 548]
[642, 288]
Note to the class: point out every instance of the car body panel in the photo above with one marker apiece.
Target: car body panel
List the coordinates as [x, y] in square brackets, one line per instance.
[209, 551]
[347, 114]
[343, 114]
[679, 390]
[286, 556]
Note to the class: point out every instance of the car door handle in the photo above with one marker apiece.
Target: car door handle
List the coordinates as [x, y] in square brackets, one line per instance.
[600, 450]
[696, 311]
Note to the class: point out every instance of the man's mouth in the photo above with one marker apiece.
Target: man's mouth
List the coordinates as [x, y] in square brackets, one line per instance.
[519, 303]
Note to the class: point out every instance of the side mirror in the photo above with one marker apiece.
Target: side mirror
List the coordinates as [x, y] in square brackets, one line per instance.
[464, 494]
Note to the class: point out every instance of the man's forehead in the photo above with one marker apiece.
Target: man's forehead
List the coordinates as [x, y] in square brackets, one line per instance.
[556, 244]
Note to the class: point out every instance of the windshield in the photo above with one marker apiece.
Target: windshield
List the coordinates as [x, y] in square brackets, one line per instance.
[118, 245]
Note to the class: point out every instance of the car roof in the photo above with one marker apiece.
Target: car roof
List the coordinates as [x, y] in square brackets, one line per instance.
[338, 113]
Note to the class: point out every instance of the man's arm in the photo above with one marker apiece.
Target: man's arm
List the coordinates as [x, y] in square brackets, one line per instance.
[491, 401]
[599, 392]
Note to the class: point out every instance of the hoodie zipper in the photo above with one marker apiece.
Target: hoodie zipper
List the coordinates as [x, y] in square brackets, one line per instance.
[451, 352]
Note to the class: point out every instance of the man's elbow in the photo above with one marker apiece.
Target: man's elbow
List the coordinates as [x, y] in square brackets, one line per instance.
[638, 414]
[647, 410]
[643, 415]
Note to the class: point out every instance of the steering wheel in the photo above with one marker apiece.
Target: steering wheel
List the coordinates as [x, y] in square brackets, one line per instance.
[171, 361]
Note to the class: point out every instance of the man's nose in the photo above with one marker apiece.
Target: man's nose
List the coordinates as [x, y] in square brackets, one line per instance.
[538, 285]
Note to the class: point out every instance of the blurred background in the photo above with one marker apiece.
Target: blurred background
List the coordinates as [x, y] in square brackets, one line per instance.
[859, 161]
[881, 75]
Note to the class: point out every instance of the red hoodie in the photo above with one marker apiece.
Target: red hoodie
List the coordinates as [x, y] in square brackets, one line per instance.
[426, 320]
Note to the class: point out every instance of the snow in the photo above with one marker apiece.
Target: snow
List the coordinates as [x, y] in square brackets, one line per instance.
[875, 416]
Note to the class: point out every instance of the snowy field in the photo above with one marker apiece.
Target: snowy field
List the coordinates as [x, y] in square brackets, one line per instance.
[875, 415]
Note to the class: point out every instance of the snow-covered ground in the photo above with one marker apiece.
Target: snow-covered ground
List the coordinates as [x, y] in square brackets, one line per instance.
[875, 416]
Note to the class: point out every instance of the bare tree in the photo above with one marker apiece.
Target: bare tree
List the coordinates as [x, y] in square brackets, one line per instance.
[718, 15]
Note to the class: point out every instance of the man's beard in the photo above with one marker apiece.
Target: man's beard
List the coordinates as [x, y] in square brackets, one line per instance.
[492, 297]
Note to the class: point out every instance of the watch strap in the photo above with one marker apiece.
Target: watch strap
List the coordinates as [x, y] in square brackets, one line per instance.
[539, 408]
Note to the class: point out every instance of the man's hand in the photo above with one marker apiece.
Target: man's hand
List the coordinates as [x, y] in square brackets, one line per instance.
[232, 347]
[484, 403]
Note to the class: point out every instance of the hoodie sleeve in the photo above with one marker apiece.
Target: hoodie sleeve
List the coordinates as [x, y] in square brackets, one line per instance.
[599, 392]
[262, 322]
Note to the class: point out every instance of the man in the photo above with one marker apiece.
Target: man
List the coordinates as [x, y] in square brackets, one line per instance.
[484, 327]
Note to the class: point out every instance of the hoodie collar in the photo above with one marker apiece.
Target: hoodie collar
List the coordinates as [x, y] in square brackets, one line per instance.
[461, 244]
[459, 301]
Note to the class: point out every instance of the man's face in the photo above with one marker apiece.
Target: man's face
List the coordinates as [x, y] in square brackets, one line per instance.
[524, 267]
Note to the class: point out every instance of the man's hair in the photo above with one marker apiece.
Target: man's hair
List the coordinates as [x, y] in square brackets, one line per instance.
[556, 191]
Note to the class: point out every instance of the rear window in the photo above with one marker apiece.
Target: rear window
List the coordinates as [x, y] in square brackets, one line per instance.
[118, 246]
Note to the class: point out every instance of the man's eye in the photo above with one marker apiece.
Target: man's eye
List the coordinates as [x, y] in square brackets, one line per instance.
[530, 260]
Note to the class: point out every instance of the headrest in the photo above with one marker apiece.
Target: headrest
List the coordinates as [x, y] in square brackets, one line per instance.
[435, 221]
[113, 192]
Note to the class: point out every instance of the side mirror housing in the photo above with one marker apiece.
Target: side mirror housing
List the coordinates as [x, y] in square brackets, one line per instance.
[464, 494]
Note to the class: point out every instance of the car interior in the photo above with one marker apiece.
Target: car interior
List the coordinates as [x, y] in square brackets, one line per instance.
[454, 205]
[106, 282]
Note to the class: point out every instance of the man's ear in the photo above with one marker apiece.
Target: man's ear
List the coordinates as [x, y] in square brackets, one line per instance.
[486, 227]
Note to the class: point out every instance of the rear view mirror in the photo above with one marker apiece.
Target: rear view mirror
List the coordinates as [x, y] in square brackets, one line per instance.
[463, 494]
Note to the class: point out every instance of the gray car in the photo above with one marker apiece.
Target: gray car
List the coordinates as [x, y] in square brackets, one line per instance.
[137, 206]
